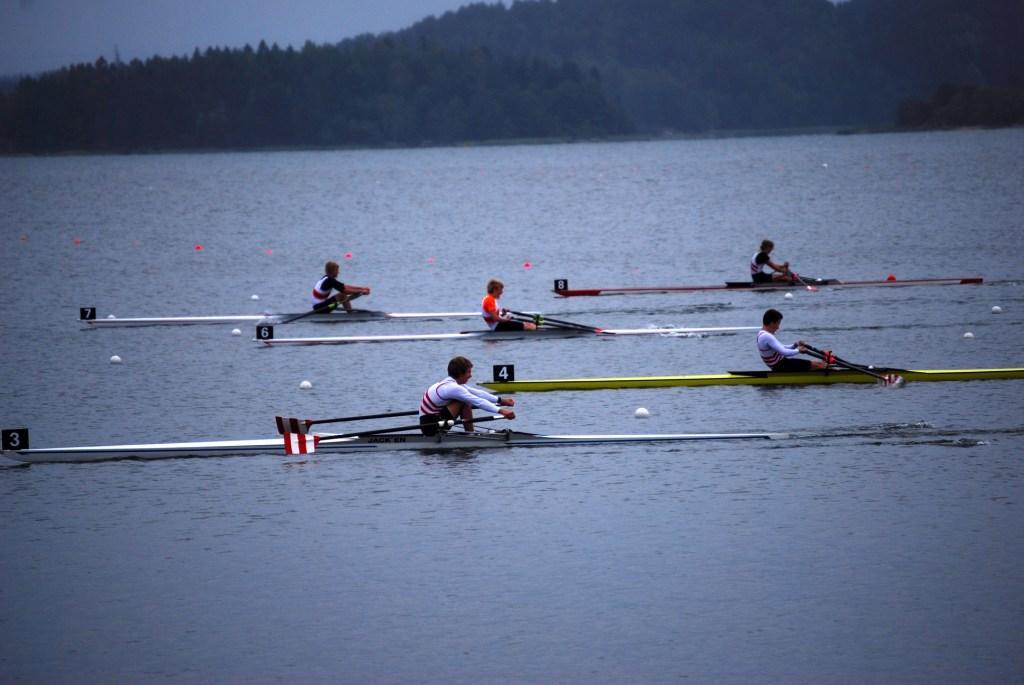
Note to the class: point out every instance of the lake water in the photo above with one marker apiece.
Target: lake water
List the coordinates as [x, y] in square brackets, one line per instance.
[882, 543]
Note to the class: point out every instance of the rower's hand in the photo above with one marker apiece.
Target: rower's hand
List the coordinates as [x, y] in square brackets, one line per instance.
[366, 291]
[506, 402]
[507, 413]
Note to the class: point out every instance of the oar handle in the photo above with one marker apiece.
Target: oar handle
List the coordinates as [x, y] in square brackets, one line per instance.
[382, 431]
[558, 323]
[802, 282]
[541, 320]
[829, 357]
[322, 310]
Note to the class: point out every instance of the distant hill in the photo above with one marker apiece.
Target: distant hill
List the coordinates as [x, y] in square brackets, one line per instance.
[958, 106]
[367, 92]
[699, 65]
[543, 69]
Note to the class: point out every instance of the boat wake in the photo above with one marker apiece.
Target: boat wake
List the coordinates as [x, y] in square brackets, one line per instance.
[907, 434]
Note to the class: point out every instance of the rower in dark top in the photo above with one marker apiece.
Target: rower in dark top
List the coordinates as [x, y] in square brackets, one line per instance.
[779, 357]
[324, 300]
[780, 272]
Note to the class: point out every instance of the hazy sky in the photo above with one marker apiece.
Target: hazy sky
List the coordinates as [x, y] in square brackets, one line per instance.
[38, 35]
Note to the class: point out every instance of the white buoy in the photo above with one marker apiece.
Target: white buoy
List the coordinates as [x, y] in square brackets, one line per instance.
[111, 316]
[997, 309]
[254, 297]
[641, 413]
[305, 385]
[236, 332]
[968, 334]
[788, 296]
[115, 359]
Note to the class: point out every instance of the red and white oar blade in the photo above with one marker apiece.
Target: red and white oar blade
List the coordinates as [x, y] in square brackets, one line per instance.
[894, 379]
[297, 443]
[286, 424]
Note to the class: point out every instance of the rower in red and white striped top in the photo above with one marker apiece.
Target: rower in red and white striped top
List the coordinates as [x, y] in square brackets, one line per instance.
[779, 357]
[763, 258]
[451, 398]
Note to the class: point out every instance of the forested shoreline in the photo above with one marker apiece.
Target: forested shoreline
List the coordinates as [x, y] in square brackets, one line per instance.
[544, 69]
[368, 92]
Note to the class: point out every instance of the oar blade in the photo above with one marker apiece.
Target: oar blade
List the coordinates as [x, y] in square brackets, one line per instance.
[288, 424]
[298, 443]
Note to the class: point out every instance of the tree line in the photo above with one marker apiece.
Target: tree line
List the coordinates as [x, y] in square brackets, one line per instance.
[364, 92]
[540, 69]
[701, 65]
[956, 106]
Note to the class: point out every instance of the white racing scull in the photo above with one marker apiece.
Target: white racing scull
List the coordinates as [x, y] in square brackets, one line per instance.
[265, 335]
[16, 441]
[87, 317]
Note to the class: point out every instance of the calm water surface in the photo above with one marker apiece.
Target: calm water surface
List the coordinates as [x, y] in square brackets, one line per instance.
[882, 543]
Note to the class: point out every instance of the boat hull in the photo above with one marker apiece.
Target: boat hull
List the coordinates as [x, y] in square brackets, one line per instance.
[381, 443]
[540, 334]
[829, 377]
[752, 287]
[336, 316]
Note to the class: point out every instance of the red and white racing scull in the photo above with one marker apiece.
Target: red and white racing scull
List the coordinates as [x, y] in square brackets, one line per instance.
[562, 286]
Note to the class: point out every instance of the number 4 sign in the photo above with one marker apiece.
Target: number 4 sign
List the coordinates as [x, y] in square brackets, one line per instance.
[504, 373]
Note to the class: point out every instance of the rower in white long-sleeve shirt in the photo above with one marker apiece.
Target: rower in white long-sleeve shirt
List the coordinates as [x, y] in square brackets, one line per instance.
[775, 355]
[452, 398]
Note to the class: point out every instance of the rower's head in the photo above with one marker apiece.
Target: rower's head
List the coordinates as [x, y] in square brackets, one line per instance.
[767, 246]
[460, 369]
[331, 269]
[772, 319]
[495, 287]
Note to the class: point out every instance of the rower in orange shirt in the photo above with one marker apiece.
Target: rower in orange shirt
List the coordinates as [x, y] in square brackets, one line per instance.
[499, 319]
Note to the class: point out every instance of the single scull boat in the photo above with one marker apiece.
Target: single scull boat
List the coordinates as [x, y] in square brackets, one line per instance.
[336, 316]
[752, 378]
[381, 443]
[562, 286]
[265, 336]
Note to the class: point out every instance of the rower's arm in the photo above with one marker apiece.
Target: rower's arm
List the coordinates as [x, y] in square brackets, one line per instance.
[473, 396]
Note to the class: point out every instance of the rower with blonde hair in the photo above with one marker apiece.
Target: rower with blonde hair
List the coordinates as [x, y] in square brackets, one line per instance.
[499, 319]
[324, 300]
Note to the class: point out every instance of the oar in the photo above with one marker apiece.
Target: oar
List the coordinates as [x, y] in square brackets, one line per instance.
[886, 379]
[288, 424]
[322, 310]
[809, 287]
[540, 319]
[381, 431]
[305, 444]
